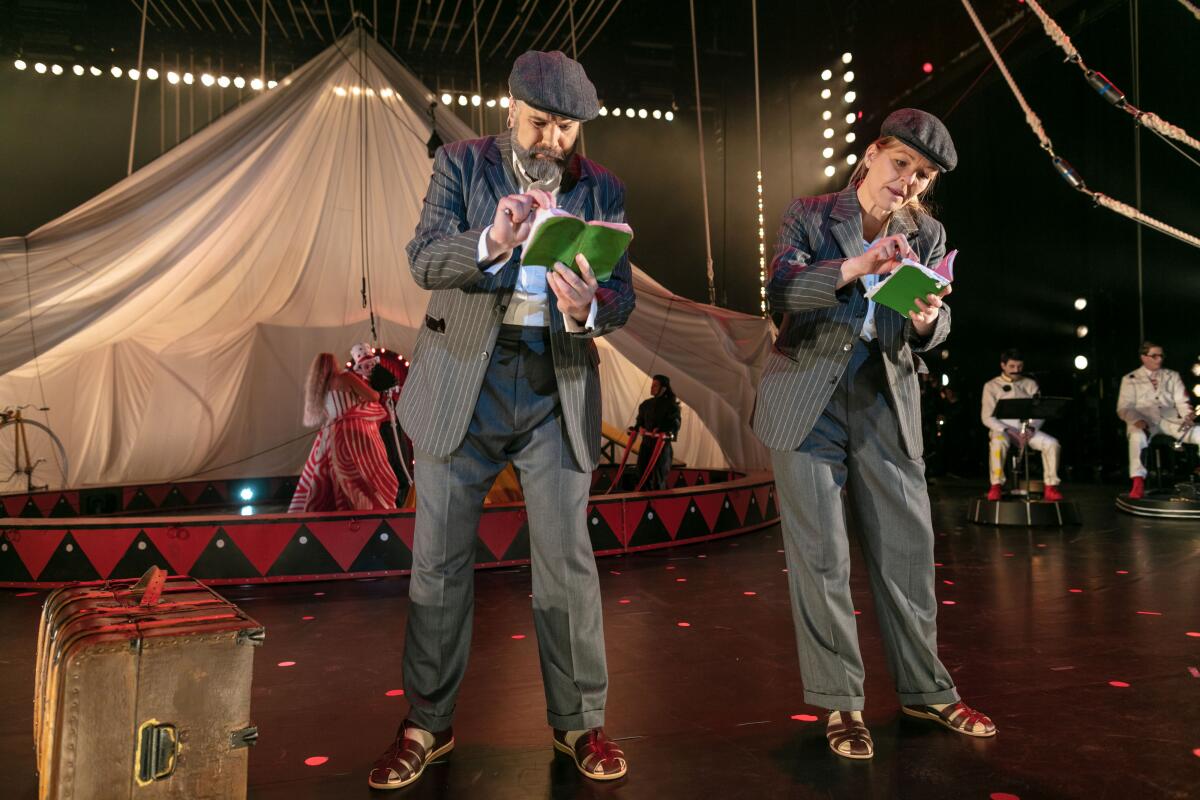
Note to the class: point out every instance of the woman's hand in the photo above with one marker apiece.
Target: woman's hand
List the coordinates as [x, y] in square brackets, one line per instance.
[924, 319]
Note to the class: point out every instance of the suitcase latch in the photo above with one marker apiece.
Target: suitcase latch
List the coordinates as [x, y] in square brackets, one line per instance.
[246, 737]
[254, 637]
[157, 746]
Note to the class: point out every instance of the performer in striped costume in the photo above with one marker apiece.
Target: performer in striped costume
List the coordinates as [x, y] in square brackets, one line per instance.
[347, 467]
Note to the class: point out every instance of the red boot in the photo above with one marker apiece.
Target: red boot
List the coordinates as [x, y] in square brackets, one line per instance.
[1052, 494]
[995, 492]
[1139, 488]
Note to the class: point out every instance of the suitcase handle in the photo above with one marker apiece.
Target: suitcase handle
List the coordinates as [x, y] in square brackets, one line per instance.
[157, 746]
[150, 587]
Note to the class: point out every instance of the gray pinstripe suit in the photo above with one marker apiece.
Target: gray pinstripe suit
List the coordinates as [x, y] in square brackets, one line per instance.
[839, 414]
[478, 397]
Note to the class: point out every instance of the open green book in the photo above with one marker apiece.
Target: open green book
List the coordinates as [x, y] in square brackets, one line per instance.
[910, 281]
[559, 236]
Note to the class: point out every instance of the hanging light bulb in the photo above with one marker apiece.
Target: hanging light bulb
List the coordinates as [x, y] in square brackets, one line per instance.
[826, 115]
[40, 68]
[642, 113]
[827, 152]
[847, 58]
[77, 69]
[850, 118]
[173, 78]
[96, 71]
[256, 84]
[851, 159]
[826, 74]
[58, 70]
[446, 99]
[223, 82]
[19, 64]
[828, 133]
[849, 76]
[850, 137]
[826, 94]
[188, 78]
[206, 79]
[668, 116]
[829, 170]
[339, 91]
[504, 101]
[491, 103]
[603, 111]
[151, 73]
[239, 82]
[657, 114]
[272, 84]
[849, 97]
[133, 74]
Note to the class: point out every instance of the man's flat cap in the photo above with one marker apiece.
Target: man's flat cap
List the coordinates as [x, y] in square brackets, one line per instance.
[923, 132]
[554, 83]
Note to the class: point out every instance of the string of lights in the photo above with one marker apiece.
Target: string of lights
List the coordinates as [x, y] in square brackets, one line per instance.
[828, 115]
[450, 99]
[172, 77]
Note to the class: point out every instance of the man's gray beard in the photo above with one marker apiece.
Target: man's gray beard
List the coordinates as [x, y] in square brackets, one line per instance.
[544, 171]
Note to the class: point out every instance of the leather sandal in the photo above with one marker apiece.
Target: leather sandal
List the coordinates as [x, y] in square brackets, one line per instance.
[594, 754]
[958, 717]
[848, 730]
[405, 761]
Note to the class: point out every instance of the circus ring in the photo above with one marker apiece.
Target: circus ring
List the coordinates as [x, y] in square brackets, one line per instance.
[48, 539]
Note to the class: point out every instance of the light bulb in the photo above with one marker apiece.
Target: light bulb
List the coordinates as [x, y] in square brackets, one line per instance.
[827, 152]
[19, 64]
[40, 68]
[476, 100]
[77, 69]
[852, 159]
[446, 98]
[206, 79]
[256, 84]
[58, 70]
[829, 171]
[188, 78]
[828, 133]
[826, 74]
[152, 74]
[668, 116]
[239, 82]
[223, 82]
[173, 78]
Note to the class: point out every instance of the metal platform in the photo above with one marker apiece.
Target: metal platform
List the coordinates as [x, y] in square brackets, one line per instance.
[1024, 512]
[1180, 502]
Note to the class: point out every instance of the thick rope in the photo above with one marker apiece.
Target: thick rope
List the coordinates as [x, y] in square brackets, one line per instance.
[1067, 172]
[1191, 7]
[712, 287]
[137, 89]
[1146, 118]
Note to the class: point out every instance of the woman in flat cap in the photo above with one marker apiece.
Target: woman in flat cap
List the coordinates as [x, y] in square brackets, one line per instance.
[839, 407]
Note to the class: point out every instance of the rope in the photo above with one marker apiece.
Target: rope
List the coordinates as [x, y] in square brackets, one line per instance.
[1065, 170]
[1105, 87]
[1191, 7]
[712, 288]
[137, 89]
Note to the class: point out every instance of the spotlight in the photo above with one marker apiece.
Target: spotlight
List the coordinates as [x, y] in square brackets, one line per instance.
[19, 64]
[657, 114]
[77, 69]
[829, 171]
[188, 78]
[256, 84]
[642, 113]
[1081, 362]
[223, 82]
[58, 70]
[475, 99]
[247, 511]
[1081, 331]
[462, 99]
[491, 103]
[133, 74]
[851, 159]
[847, 58]
[826, 74]
[339, 91]
[669, 115]
[239, 82]
[446, 99]
[850, 137]
[827, 152]
[40, 68]
[826, 115]
[1080, 303]
[826, 94]
[927, 68]
[603, 111]
[504, 102]
[151, 73]
[849, 76]
[96, 71]
[273, 84]
[850, 118]
[849, 97]
[173, 78]
[246, 493]
[828, 133]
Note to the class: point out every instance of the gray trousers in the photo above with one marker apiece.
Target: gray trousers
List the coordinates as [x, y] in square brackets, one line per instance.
[856, 445]
[517, 419]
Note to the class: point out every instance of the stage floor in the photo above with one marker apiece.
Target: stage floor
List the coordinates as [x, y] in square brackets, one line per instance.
[1042, 623]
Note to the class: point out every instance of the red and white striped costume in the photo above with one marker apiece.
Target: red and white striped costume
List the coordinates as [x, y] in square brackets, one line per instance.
[348, 467]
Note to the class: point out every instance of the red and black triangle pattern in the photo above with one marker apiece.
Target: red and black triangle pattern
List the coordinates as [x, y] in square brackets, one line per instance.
[43, 549]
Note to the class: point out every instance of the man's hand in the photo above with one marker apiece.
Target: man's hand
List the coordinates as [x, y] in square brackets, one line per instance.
[514, 219]
[925, 318]
[1141, 425]
[883, 257]
[574, 293]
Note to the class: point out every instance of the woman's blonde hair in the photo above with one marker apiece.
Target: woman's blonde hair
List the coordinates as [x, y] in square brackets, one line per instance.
[918, 204]
[323, 368]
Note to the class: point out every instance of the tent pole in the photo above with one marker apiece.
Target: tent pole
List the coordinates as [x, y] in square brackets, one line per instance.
[262, 49]
[137, 89]
[574, 55]
[712, 288]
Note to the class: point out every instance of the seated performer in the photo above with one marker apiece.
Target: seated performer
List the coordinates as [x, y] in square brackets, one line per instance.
[347, 467]
[1010, 384]
[385, 372]
[658, 415]
[1152, 400]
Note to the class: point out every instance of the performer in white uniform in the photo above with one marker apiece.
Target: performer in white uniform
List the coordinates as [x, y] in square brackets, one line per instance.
[1010, 384]
[1153, 400]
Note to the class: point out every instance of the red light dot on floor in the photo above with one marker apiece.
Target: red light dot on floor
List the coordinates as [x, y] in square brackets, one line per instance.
[308, 618]
[1002, 796]
[948, 583]
[857, 613]
[1008, 555]
[1122, 572]
[1196, 752]
[1150, 613]
[625, 601]
[938, 564]
[750, 594]
[684, 624]
[949, 603]
[1075, 591]
[25, 594]
[394, 693]
[1119, 684]
[701, 556]
[927, 68]
[286, 664]
[613, 572]
[1042, 545]
[318, 594]
[681, 580]
[670, 567]
[1194, 634]
[518, 636]
[316, 761]
[804, 717]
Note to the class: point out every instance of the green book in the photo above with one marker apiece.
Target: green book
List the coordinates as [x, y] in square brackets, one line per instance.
[911, 281]
[559, 236]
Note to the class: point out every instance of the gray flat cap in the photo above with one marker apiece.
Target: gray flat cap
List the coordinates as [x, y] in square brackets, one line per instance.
[554, 83]
[923, 132]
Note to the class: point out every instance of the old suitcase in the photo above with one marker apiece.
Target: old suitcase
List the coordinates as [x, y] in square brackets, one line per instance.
[143, 691]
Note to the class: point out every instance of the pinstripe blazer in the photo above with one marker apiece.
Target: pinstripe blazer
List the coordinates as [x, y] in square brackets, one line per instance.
[467, 305]
[821, 323]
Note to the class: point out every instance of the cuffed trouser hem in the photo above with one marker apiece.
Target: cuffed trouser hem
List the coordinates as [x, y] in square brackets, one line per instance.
[430, 722]
[929, 698]
[583, 721]
[835, 702]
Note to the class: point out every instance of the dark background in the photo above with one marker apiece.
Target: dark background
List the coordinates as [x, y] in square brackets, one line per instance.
[1029, 245]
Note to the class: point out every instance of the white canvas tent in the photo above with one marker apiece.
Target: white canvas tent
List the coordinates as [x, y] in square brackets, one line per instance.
[168, 322]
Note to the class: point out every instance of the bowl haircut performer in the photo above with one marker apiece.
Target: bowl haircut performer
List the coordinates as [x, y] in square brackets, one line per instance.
[839, 407]
[505, 370]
